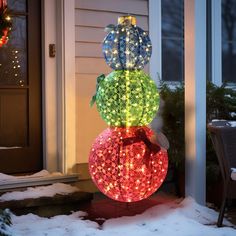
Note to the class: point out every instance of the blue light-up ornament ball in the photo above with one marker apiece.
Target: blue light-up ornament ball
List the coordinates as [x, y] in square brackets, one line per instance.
[127, 46]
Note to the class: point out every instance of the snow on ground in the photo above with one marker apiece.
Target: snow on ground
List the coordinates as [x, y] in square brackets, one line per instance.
[42, 173]
[42, 191]
[232, 123]
[176, 218]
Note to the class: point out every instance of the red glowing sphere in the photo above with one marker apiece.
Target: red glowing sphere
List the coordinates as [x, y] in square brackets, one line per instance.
[125, 165]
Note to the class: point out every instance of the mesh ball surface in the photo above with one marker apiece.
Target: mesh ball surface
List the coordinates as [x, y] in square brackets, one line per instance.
[127, 98]
[125, 172]
[127, 47]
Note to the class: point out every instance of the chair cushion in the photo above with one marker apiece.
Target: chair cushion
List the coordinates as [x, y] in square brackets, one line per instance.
[233, 174]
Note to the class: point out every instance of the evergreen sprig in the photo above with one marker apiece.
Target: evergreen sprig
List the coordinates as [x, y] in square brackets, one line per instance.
[5, 222]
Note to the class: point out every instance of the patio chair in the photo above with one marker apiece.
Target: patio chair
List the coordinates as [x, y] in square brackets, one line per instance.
[223, 137]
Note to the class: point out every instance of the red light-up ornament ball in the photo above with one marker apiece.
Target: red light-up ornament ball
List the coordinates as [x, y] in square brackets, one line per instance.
[125, 165]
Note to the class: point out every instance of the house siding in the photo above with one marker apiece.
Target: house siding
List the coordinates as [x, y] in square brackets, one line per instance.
[91, 17]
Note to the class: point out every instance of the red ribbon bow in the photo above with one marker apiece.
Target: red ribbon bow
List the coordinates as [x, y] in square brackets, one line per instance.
[140, 136]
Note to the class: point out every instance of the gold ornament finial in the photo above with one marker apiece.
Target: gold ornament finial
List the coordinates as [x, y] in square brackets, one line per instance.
[127, 20]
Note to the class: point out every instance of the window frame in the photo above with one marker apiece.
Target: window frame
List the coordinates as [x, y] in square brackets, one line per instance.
[215, 63]
[155, 32]
[218, 9]
[216, 43]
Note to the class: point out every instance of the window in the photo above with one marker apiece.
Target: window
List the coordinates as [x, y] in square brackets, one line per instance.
[172, 12]
[228, 9]
[13, 57]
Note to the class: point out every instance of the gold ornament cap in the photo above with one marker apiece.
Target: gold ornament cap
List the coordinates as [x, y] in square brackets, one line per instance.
[127, 20]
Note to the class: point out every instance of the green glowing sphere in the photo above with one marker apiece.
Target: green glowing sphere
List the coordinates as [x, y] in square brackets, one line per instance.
[127, 98]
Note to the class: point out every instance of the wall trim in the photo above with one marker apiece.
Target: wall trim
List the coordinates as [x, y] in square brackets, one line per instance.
[195, 99]
[155, 35]
[216, 42]
[49, 91]
[59, 86]
[69, 87]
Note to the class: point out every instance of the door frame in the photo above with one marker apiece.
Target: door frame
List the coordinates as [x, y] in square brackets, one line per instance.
[59, 94]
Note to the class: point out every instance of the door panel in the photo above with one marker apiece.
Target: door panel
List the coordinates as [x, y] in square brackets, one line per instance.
[13, 121]
[20, 91]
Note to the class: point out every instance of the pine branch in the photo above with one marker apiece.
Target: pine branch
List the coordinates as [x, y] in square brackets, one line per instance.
[5, 222]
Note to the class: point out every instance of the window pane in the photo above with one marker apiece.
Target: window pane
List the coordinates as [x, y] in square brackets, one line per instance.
[13, 55]
[229, 62]
[229, 41]
[172, 40]
[172, 60]
[172, 18]
[228, 20]
[17, 5]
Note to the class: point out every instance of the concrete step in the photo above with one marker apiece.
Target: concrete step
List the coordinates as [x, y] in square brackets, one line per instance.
[12, 183]
[49, 206]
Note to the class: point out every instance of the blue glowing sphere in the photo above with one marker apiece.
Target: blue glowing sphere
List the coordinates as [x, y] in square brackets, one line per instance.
[127, 47]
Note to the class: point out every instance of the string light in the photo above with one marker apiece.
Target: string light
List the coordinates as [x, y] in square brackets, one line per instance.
[126, 35]
[128, 102]
[123, 162]
[8, 18]
[131, 180]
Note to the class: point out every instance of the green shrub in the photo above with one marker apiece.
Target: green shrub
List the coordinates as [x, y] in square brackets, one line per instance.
[173, 123]
[221, 104]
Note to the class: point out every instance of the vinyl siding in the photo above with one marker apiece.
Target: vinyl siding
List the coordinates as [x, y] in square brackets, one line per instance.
[91, 17]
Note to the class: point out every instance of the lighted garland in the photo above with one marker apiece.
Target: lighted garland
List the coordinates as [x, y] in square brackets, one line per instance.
[5, 26]
[125, 165]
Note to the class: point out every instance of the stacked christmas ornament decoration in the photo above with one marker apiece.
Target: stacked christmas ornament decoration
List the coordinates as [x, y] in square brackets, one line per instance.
[126, 162]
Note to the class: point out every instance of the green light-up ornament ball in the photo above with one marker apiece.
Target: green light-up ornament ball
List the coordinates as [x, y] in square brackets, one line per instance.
[127, 98]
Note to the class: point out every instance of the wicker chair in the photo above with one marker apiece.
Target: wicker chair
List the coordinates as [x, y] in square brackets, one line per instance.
[223, 137]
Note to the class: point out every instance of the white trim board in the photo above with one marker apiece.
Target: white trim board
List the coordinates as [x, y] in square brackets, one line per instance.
[49, 92]
[195, 99]
[155, 35]
[216, 46]
[59, 86]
